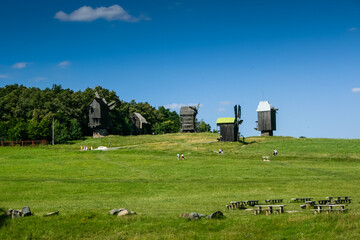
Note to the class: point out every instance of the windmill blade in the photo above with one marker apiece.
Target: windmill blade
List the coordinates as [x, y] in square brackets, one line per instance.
[197, 108]
[96, 94]
[235, 112]
[112, 105]
[239, 111]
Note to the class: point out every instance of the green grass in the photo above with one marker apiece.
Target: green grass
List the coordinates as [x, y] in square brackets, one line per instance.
[145, 176]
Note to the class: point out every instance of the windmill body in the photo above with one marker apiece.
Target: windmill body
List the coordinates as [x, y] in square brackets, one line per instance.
[99, 117]
[188, 118]
[266, 122]
[229, 126]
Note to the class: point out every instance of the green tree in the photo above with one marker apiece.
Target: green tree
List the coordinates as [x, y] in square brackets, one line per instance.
[203, 127]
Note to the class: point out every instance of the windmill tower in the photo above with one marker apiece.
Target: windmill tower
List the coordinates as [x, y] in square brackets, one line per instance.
[266, 122]
[188, 118]
[229, 127]
[99, 118]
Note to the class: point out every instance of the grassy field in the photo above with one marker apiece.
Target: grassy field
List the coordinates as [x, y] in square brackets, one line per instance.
[145, 176]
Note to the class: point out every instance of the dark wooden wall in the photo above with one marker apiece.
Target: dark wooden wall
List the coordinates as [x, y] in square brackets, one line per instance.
[266, 120]
[229, 132]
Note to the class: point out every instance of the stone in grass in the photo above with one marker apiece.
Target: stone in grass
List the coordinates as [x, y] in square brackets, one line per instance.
[9, 212]
[216, 215]
[192, 216]
[51, 214]
[25, 212]
[124, 212]
[114, 211]
[15, 214]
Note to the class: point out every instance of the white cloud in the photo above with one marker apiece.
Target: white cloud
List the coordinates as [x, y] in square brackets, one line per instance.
[2, 76]
[39, 79]
[225, 102]
[352, 29]
[89, 14]
[221, 109]
[20, 65]
[64, 64]
[355, 90]
[176, 106]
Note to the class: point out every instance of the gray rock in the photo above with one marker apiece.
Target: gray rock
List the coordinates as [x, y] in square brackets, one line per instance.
[124, 212]
[194, 215]
[51, 214]
[216, 215]
[9, 212]
[15, 214]
[114, 211]
[25, 212]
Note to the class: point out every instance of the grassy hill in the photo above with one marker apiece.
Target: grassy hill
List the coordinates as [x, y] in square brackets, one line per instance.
[145, 176]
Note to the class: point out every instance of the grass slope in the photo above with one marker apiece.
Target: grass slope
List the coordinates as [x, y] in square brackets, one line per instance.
[145, 176]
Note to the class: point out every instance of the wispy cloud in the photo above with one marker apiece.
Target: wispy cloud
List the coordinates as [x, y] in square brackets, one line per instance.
[352, 29]
[3, 76]
[221, 109]
[355, 90]
[64, 64]
[224, 103]
[20, 65]
[39, 79]
[176, 106]
[89, 14]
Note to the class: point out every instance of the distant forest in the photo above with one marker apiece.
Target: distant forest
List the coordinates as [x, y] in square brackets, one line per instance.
[28, 113]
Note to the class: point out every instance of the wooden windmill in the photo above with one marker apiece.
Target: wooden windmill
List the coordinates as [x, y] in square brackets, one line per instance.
[229, 127]
[188, 118]
[99, 117]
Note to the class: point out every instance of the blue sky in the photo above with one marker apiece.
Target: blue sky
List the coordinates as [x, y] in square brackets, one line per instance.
[302, 56]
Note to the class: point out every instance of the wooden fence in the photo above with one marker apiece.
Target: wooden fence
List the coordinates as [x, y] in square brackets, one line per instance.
[23, 143]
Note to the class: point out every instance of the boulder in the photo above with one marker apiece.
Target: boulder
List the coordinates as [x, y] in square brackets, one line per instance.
[194, 216]
[216, 215]
[114, 211]
[15, 214]
[124, 212]
[25, 212]
[9, 212]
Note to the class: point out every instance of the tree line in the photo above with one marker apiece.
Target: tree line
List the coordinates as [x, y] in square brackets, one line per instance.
[28, 114]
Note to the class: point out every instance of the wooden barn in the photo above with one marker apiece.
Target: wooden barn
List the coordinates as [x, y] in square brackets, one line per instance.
[139, 123]
[229, 130]
[266, 122]
[188, 118]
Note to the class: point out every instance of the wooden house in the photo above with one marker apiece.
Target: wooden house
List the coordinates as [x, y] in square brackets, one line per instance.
[266, 122]
[188, 118]
[139, 123]
[229, 129]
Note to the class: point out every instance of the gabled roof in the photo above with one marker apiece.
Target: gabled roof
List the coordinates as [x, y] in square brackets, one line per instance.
[225, 120]
[188, 110]
[140, 117]
[264, 106]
